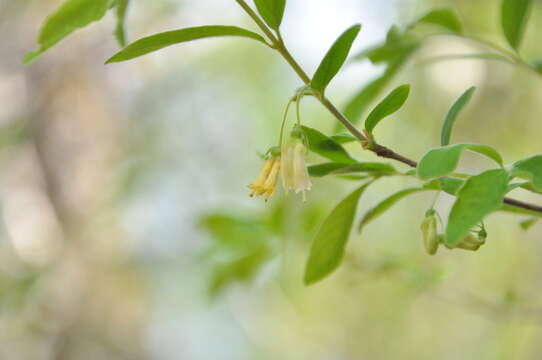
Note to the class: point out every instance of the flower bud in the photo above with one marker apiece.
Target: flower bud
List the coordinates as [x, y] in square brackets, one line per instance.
[430, 234]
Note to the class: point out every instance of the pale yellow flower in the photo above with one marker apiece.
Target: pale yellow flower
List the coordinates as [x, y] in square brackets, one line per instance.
[295, 175]
[267, 180]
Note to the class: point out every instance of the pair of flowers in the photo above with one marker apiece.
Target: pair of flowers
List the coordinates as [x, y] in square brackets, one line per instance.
[290, 164]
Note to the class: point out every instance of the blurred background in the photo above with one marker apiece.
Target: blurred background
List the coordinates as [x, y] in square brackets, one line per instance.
[126, 228]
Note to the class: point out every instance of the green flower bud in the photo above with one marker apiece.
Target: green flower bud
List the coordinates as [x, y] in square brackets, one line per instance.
[471, 242]
[428, 227]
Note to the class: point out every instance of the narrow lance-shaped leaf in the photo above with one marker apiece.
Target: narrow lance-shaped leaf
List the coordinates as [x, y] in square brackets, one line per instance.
[537, 65]
[396, 45]
[70, 16]
[451, 185]
[481, 195]
[241, 269]
[531, 169]
[452, 116]
[329, 244]
[443, 161]
[514, 17]
[326, 147]
[120, 31]
[365, 96]
[529, 223]
[387, 203]
[334, 59]
[271, 11]
[162, 40]
[391, 104]
[445, 17]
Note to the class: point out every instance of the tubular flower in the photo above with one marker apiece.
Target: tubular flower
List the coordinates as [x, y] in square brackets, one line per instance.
[267, 180]
[295, 175]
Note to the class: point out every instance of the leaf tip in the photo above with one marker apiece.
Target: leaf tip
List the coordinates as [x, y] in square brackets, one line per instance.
[112, 59]
[312, 277]
[30, 57]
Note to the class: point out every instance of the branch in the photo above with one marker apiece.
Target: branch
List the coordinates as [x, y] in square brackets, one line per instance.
[378, 149]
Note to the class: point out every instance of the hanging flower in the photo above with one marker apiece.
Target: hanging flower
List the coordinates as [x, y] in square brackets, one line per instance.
[266, 182]
[295, 175]
[430, 234]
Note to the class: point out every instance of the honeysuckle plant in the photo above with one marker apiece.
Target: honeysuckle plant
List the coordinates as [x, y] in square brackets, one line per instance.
[476, 195]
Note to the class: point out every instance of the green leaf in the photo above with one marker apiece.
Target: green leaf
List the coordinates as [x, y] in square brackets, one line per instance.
[514, 17]
[70, 16]
[242, 269]
[451, 185]
[396, 45]
[235, 234]
[334, 59]
[391, 104]
[326, 147]
[120, 32]
[537, 65]
[329, 244]
[529, 223]
[443, 161]
[344, 138]
[373, 168]
[368, 94]
[452, 115]
[162, 40]
[445, 17]
[271, 11]
[481, 195]
[386, 204]
[530, 169]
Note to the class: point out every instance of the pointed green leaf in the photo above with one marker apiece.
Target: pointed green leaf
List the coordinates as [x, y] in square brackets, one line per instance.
[239, 270]
[529, 223]
[443, 161]
[514, 17]
[120, 32]
[386, 204]
[391, 104]
[162, 40]
[70, 16]
[537, 65]
[481, 195]
[368, 94]
[334, 59]
[445, 17]
[452, 115]
[326, 147]
[451, 185]
[329, 244]
[271, 11]
[530, 169]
